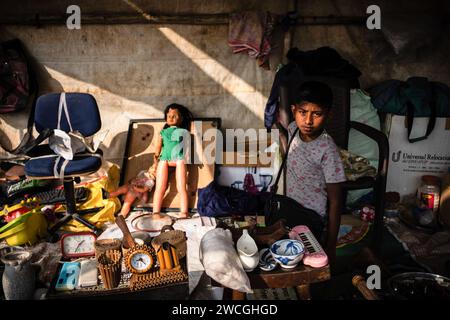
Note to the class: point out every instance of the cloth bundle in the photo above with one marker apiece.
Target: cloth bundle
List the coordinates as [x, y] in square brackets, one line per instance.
[356, 167]
[250, 32]
[221, 262]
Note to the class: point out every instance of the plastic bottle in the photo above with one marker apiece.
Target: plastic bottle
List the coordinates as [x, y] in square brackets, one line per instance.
[429, 193]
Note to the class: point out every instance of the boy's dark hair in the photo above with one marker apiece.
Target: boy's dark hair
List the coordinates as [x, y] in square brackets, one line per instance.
[186, 115]
[314, 92]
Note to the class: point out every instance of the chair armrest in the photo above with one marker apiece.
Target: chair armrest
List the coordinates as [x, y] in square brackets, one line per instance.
[380, 185]
[381, 140]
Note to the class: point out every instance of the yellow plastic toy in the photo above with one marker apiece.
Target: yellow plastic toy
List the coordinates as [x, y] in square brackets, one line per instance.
[26, 229]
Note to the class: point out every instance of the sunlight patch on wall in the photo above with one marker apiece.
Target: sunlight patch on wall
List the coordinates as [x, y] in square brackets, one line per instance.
[217, 71]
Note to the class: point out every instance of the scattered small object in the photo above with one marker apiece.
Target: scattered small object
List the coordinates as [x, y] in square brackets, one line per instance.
[266, 261]
[367, 213]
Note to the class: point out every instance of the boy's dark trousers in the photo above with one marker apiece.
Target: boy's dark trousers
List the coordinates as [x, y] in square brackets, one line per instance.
[282, 207]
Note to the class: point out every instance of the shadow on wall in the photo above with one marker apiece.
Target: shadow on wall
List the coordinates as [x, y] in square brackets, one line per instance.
[135, 67]
[412, 41]
[157, 64]
[116, 147]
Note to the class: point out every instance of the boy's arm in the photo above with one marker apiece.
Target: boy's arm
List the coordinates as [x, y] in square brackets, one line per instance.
[335, 199]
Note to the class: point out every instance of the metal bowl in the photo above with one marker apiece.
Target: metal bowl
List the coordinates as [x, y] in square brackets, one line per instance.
[419, 286]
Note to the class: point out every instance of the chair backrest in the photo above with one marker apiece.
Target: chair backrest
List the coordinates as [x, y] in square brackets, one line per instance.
[339, 124]
[82, 109]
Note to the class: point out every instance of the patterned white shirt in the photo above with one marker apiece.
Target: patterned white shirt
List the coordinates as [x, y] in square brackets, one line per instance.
[309, 167]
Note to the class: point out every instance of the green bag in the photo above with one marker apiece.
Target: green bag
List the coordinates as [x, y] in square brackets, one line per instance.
[415, 97]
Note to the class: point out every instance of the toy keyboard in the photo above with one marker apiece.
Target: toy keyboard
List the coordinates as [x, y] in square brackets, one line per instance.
[315, 256]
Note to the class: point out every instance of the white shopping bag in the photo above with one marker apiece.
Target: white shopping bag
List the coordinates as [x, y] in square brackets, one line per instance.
[410, 161]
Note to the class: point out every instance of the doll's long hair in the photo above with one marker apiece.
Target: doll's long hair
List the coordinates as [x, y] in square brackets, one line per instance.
[186, 115]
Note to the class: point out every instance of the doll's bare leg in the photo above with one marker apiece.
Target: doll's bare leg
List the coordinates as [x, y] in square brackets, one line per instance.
[181, 188]
[145, 197]
[162, 173]
[127, 202]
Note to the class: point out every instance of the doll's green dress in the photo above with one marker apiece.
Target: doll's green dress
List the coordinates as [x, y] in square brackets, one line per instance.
[172, 143]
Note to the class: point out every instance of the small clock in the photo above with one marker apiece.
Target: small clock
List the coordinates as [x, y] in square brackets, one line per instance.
[75, 245]
[140, 259]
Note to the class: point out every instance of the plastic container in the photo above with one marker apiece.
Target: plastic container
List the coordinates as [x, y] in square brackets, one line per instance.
[429, 193]
[26, 229]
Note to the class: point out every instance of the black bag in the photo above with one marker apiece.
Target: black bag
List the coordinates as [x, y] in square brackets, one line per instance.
[282, 207]
[18, 86]
[14, 78]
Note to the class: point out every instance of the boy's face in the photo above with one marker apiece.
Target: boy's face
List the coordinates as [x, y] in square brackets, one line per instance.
[174, 118]
[310, 119]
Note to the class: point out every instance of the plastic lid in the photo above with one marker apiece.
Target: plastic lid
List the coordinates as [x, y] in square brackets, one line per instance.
[432, 180]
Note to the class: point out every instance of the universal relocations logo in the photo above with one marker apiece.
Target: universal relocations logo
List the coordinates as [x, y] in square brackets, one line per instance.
[399, 156]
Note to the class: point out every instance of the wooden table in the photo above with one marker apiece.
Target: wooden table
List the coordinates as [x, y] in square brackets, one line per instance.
[300, 277]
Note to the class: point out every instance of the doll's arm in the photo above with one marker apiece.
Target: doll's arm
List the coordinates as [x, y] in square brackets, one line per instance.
[158, 148]
[121, 190]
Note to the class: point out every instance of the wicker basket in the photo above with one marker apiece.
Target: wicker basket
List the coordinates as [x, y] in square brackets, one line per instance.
[104, 245]
[109, 264]
[177, 238]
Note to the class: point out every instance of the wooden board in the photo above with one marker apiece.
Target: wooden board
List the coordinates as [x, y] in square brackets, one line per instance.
[247, 155]
[140, 149]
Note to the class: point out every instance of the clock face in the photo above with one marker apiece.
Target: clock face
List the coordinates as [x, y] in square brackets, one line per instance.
[78, 245]
[140, 258]
[141, 261]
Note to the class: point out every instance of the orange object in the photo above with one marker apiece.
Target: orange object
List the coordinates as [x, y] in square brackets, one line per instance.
[162, 264]
[174, 254]
[167, 255]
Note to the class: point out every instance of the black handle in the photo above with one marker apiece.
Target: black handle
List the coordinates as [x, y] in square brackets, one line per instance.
[431, 120]
[283, 163]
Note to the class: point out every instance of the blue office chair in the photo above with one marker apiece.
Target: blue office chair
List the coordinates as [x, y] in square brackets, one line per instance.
[79, 112]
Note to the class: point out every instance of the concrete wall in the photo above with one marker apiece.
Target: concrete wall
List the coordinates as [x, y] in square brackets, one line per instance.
[135, 70]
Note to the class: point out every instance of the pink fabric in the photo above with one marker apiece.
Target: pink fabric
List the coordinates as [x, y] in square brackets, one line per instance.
[310, 166]
[249, 32]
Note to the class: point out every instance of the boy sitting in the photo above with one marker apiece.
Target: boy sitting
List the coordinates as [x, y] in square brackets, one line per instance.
[314, 169]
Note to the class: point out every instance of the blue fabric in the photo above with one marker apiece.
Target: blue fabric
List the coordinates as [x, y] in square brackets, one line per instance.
[215, 200]
[43, 167]
[83, 112]
[283, 75]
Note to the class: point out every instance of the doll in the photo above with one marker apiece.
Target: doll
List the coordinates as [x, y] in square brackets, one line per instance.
[170, 153]
[136, 188]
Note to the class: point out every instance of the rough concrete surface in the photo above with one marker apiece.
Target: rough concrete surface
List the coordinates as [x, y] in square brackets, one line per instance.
[135, 70]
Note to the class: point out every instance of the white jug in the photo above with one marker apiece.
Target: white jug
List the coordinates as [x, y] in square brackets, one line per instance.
[247, 251]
